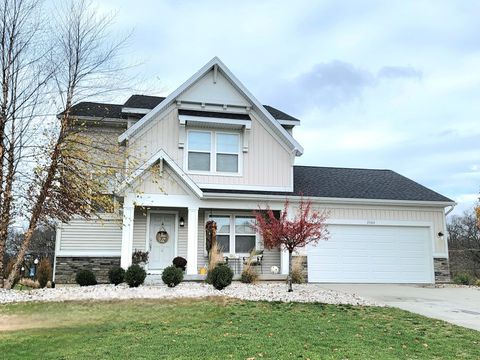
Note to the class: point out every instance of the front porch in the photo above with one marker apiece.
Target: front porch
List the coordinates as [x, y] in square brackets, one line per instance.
[185, 226]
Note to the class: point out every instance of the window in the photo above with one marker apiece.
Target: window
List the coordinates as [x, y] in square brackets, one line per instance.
[199, 150]
[212, 151]
[235, 234]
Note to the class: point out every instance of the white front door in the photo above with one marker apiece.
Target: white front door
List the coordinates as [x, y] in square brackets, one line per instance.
[161, 253]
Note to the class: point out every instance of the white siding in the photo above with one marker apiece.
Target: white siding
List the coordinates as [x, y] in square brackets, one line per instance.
[267, 162]
[95, 237]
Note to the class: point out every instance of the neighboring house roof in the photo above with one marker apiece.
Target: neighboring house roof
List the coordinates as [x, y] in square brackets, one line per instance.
[347, 183]
[216, 63]
[98, 110]
[278, 114]
[143, 101]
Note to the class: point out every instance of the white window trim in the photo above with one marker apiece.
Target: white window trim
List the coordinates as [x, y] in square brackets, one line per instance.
[213, 153]
[232, 234]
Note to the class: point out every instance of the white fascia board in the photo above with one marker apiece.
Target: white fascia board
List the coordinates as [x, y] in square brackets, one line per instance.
[325, 200]
[289, 122]
[161, 155]
[130, 110]
[246, 187]
[296, 147]
[216, 120]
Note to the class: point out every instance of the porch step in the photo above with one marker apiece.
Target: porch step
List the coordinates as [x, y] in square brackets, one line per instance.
[157, 279]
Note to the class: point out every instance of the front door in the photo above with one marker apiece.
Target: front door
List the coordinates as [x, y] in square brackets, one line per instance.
[162, 248]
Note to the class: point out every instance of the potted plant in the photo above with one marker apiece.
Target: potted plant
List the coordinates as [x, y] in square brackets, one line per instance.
[140, 258]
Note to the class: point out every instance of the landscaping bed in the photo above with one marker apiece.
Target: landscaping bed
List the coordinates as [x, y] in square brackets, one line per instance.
[267, 291]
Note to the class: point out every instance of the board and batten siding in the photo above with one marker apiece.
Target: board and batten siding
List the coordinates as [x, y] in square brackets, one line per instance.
[435, 216]
[90, 237]
[267, 163]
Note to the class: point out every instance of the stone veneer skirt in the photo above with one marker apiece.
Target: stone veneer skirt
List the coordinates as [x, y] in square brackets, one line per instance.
[67, 267]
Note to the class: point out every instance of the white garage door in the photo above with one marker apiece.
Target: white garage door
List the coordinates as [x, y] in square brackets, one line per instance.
[372, 254]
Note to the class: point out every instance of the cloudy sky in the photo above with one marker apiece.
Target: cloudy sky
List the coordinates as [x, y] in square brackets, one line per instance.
[377, 84]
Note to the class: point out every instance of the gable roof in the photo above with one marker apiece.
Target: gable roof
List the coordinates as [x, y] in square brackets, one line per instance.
[348, 183]
[276, 127]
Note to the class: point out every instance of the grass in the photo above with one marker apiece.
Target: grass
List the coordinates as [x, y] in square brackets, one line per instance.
[222, 329]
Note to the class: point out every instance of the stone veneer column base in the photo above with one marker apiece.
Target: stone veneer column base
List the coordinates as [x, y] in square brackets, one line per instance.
[304, 266]
[442, 270]
[67, 267]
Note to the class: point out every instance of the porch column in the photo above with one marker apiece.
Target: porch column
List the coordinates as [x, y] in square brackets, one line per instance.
[192, 243]
[127, 233]
[284, 262]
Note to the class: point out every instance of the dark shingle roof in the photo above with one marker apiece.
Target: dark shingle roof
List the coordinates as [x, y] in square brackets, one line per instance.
[279, 115]
[143, 101]
[100, 110]
[330, 182]
[149, 102]
[214, 114]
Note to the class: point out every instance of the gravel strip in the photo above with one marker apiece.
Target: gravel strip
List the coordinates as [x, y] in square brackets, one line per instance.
[257, 292]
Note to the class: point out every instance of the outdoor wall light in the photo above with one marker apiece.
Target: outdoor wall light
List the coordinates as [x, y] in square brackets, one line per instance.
[182, 222]
[440, 234]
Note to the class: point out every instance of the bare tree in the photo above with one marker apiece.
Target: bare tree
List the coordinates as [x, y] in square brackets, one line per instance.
[68, 179]
[24, 78]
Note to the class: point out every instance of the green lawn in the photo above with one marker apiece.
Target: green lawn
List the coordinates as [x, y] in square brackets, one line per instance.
[223, 329]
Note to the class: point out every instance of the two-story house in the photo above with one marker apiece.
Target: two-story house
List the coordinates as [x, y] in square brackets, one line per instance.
[211, 150]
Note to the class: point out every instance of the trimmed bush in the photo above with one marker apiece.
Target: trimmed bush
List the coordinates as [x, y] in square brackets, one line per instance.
[116, 275]
[477, 282]
[462, 279]
[44, 272]
[249, 276]
[85, 278]
[135, 275]
[221, 277]
[172, 276]
[180, 262]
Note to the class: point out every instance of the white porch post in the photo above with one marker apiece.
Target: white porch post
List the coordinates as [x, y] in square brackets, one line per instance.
[284, 262]
[192, 243]
[127, 233]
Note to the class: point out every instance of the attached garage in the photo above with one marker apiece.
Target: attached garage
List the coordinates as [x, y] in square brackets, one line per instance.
[373, 254]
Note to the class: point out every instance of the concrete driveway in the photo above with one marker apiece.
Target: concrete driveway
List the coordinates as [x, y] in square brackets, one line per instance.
[460, 306]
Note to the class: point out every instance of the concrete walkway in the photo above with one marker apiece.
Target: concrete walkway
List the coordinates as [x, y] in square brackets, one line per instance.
[457, 305]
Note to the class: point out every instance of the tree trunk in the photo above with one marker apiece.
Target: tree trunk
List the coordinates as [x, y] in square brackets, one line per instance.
[290, 289]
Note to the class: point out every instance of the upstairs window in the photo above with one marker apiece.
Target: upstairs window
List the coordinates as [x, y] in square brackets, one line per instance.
[199, 150]
[213, 151]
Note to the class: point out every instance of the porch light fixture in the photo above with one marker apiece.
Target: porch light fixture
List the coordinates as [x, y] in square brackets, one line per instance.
[182, 222]
[440, 234]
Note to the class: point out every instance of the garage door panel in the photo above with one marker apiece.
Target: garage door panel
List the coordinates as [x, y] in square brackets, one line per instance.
[363, 253]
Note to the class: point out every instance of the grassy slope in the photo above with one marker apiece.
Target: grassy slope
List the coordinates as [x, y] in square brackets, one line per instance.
[229, 329]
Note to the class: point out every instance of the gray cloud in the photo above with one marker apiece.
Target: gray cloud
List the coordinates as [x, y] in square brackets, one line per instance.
[397, 72]
[332, 84]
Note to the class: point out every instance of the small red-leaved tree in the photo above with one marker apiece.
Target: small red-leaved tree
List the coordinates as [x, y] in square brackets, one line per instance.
[306, 226]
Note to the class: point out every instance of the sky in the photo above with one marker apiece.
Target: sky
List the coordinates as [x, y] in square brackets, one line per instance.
[376, 84]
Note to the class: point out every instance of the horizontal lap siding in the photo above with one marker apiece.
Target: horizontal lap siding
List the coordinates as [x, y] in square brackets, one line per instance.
[91, 236]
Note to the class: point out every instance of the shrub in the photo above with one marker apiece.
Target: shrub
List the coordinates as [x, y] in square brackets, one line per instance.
[221, 277]
[180, 262]
[44, 272]
[116, 275]
[477, 282]
[172, 276]
[135, 275]
[85, 278]
[297, 270]
[215, 257]
[462, 279]
[249, 275]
